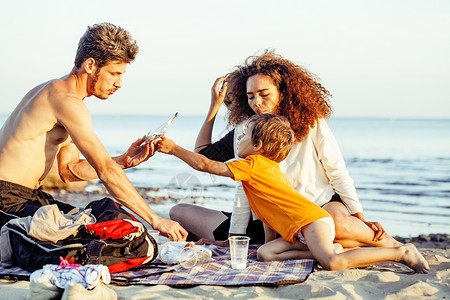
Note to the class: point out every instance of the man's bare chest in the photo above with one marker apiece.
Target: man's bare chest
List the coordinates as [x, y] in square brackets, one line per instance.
[56, 135]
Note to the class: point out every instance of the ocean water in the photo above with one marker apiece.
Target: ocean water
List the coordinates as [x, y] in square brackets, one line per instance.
[401, 167]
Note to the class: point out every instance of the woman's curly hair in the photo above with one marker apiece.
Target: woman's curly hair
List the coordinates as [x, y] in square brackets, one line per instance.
[303, 99]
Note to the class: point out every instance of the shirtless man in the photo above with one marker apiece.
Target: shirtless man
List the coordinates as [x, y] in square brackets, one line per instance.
[52, 121]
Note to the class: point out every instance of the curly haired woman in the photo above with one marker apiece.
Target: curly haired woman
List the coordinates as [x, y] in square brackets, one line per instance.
[314, 167]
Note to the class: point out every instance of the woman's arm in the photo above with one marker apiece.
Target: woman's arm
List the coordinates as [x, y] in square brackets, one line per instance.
[241, 213]
[217, 97]
[340, 180]
[222, 150]
[333, 162]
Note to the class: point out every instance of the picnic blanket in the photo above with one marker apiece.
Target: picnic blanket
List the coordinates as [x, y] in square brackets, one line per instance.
[217, 272]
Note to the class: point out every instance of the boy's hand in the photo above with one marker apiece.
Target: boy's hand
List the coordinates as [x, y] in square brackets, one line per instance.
[166, 145]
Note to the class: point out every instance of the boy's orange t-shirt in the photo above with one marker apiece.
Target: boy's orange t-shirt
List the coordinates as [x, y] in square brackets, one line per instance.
[272, 198]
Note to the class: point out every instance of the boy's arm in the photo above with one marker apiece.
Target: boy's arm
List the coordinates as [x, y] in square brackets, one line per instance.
[195, 160]
[269, 233]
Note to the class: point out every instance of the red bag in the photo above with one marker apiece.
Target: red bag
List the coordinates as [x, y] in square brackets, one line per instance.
[114, 229]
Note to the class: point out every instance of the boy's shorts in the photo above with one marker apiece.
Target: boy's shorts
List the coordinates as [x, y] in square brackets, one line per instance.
[327, 220]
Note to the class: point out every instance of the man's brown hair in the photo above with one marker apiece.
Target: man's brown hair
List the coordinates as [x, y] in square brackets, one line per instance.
[275, 133]
[106, 42]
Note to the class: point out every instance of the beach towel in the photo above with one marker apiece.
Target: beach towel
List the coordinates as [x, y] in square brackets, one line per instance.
[217, 272]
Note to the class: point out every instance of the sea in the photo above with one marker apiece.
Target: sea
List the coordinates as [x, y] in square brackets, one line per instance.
[401, 167]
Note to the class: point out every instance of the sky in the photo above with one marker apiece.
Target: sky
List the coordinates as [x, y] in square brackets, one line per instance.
[384, 58]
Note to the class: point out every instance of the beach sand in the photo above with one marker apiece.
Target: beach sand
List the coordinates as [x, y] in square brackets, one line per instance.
[387, 280]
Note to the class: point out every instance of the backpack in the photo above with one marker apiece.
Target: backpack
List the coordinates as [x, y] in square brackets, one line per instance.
[116, 240]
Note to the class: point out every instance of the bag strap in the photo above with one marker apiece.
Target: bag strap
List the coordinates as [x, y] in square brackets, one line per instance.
[94, 251]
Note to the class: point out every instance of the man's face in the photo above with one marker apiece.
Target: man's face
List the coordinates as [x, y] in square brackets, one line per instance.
[106, 80]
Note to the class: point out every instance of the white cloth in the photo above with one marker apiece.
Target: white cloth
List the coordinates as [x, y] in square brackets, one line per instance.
[327, 220]
[49, 224]
[88, 276]
[314, 167]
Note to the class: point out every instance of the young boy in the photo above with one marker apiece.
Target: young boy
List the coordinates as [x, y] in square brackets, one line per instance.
[265, 142]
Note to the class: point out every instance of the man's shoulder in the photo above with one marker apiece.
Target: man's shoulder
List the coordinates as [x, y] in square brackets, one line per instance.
[62, 97]
[62, 88]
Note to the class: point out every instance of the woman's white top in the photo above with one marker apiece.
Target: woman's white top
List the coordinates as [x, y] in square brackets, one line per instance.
[314, 167]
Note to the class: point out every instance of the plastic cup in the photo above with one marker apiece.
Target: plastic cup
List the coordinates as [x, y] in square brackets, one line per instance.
[154, 234]
[239, 251]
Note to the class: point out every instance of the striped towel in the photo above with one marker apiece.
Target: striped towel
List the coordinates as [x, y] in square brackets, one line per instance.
[217, 272]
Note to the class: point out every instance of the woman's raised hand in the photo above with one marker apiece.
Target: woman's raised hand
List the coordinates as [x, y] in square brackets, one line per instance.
[218, 91]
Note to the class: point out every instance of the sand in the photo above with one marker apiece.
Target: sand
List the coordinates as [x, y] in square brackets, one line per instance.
[388, 280]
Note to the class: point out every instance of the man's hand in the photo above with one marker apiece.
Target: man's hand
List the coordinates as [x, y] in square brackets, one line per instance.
[166, 145]
[138, 153]
[171, 229]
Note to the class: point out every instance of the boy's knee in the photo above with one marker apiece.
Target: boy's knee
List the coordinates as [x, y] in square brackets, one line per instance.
[263, 254]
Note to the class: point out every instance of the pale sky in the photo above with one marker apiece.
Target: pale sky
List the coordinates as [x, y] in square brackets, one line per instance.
[383, 58]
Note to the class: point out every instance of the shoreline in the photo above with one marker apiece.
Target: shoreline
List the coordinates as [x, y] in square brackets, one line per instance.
[95, 191]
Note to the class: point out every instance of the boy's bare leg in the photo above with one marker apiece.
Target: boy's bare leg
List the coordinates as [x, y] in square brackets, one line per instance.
[351, 232]
[280, 249]
[317, 236]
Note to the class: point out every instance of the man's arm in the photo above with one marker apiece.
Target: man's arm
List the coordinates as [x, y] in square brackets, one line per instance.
[74, 116]
[195, 160]
[72, 168]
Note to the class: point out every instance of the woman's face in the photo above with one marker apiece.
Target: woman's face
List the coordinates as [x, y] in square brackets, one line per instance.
[263, 95]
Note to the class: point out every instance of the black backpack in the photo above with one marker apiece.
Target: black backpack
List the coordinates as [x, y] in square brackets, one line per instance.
[87, 247]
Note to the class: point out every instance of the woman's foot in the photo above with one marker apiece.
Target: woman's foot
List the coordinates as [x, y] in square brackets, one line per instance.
[413, 259]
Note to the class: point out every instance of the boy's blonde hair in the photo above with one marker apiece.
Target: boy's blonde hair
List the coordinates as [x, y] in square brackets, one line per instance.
[275, 133]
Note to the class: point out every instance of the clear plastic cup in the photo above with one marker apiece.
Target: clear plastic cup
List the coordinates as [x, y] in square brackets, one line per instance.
[154, 234]
[239, 251]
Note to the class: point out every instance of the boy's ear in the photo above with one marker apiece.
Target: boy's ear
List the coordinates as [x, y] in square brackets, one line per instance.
[258, 146]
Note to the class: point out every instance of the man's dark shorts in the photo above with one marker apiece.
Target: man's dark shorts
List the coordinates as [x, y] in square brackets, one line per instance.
[19, 201]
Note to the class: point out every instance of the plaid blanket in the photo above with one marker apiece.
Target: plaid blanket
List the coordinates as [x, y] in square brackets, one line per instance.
[217, 272]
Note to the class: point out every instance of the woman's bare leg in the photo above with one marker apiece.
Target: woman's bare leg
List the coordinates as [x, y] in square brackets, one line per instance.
[198, 220]
[317, 236]
[351, 232]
